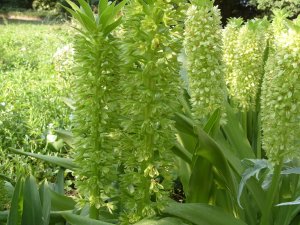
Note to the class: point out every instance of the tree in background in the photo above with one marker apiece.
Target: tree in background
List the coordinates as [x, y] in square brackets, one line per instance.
[292, 7]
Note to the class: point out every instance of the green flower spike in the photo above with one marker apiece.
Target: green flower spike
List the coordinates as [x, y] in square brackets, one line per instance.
[95, 117]
[248, 64]
[152, 85]
[280, 99]
[202, 43]
[230, 36]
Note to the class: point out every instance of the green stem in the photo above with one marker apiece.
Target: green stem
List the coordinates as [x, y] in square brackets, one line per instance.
[266, 213]
[244, 122]
[258, 136]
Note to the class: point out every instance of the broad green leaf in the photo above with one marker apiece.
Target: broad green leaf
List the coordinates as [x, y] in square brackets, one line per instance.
[56, 218]
[45, 201]
[187, 140]
[16, 208]
[181, 152]
[163, 221]
[81, 220]
[201, 181]
[213, 123]
[202, 214]
[59, 183]
[236, 136]
[63, 162]
[32, 208]
[60, 202]
[184, 124]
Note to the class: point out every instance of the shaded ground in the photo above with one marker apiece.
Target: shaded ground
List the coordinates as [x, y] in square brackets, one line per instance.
[8, 18]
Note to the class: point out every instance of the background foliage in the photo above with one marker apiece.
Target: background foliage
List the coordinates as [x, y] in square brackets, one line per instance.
[33, 84]
[292, 7]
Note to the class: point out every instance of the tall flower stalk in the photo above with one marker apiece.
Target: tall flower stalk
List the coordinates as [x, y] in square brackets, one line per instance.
[202, 43]
[95, 117]
[151, 84]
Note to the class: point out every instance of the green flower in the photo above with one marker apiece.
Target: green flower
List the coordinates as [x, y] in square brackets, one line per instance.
[230, 35]
[96, 125]
[280, 100]
[151, 85]
[202, 43]
[248, 64]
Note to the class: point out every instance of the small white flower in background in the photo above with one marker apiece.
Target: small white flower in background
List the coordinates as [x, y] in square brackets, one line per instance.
[63, 58]
[51, 138]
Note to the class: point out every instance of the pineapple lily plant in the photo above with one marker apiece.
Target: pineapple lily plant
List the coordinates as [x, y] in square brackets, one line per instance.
[137, 128]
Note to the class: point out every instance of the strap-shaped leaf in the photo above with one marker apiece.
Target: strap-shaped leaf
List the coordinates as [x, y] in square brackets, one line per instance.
[60, 202]
[81, 220]
[105, 17]
[86, 8]
[16, 207]
[73, 5]
[45, 201]
[202, 214]
[112, 26]
[88, 23]
[163, 221]
[32, 208]
[63, 162]
[102, 6]
[74, 14]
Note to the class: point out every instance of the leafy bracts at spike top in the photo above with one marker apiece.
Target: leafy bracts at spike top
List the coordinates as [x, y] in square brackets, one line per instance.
[151, 84]
[94, 92]
[203, 41]
[280, 100]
